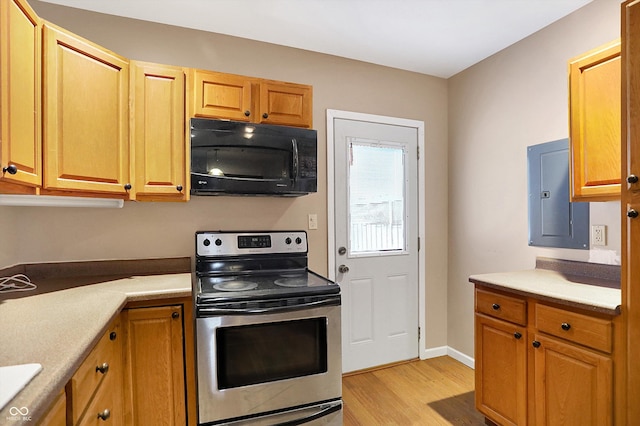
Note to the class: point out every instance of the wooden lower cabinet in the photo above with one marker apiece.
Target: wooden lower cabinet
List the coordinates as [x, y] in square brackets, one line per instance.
[501, 370]
[141, 372]
[555, 369]
[155, 382]
[573, 386]
[57, 414]
[93, 393]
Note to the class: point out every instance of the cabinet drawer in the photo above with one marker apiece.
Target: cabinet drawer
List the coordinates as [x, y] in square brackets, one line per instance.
[497, 305]
[104, 409]
[93, 370]
[596, 333]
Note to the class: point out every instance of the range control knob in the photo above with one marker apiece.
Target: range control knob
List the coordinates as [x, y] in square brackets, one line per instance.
[288, 241]
[298, 240]
[218, 242]
[206, 243]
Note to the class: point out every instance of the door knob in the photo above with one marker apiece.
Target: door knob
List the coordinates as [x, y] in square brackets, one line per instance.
[343, 269]
[342, 251]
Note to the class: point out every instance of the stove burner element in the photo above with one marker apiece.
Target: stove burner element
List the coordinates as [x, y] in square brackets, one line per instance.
[291, 282]
[292, 274]
[235, 285]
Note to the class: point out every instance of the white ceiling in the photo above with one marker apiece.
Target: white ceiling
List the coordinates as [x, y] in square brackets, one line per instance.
[435, 37]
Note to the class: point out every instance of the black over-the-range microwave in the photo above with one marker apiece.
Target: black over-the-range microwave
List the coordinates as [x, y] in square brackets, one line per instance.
[231, 157]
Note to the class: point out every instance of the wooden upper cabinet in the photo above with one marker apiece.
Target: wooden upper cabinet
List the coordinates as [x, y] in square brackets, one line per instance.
[20, 105]
[594, 105]
[159, 151]
[219, 95]
[86, 115]
[240, 98]
[285, 103]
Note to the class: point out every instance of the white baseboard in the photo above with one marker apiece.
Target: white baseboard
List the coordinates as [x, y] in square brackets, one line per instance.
[449, 351]
[434, 352]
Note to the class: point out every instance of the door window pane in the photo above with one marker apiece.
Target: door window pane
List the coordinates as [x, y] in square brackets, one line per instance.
[376, 198]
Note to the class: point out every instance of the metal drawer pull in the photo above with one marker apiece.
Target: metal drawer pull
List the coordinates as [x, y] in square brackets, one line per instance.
[103, 368]
[565, 326]
[495, 306]
[105, 414]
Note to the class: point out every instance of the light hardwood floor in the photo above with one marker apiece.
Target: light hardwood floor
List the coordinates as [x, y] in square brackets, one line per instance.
[437, 391]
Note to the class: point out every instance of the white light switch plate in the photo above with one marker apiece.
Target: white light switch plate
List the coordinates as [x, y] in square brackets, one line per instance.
[313, 221]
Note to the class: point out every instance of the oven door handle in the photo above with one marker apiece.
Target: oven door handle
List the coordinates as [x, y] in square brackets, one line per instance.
[324, 410]
[214, 311]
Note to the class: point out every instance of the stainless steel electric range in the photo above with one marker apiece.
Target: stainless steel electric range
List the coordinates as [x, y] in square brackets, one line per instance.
[268, 332]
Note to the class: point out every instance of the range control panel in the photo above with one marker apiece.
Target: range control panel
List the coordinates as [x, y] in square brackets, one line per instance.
[219, 243]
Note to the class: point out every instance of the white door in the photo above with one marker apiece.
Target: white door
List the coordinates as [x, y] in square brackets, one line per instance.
[376, 241]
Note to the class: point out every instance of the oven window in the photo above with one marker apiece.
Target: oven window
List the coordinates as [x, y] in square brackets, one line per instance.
[261, 353]
[244, 162]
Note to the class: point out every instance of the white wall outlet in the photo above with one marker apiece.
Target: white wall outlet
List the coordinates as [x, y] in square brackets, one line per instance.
[599, 235]
[313, 221]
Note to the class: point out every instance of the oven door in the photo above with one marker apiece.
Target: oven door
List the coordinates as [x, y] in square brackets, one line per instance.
[261, 364]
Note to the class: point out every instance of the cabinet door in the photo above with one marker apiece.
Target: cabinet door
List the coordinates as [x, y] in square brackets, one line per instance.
[20, 112]
[86, 131]
[628, 378]
[219, 95]
[57, 414]
[594, 103]
[157, 132]
[155, 366]
[501, 371]
[286, 104]
[573, 386]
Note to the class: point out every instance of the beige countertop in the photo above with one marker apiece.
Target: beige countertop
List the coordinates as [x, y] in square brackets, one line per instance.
[58, 330]
[556, 286]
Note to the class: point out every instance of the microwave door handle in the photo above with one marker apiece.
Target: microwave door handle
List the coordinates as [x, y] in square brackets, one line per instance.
[294, 143]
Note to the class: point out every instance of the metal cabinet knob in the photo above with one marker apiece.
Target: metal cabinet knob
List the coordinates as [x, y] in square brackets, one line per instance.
[632, 213]
[11, 169]
[565, 326]
[127, 186]
[179, 188]
[247, 113]
[495, 307]
[265, 115]
[343, 269]
[632, 179]
[103, 368]
[535, 344]
[517, 335]
[104, 415]
[175, 315]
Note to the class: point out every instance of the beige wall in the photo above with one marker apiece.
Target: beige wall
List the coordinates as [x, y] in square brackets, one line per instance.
[166, 229]
[497, 108]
